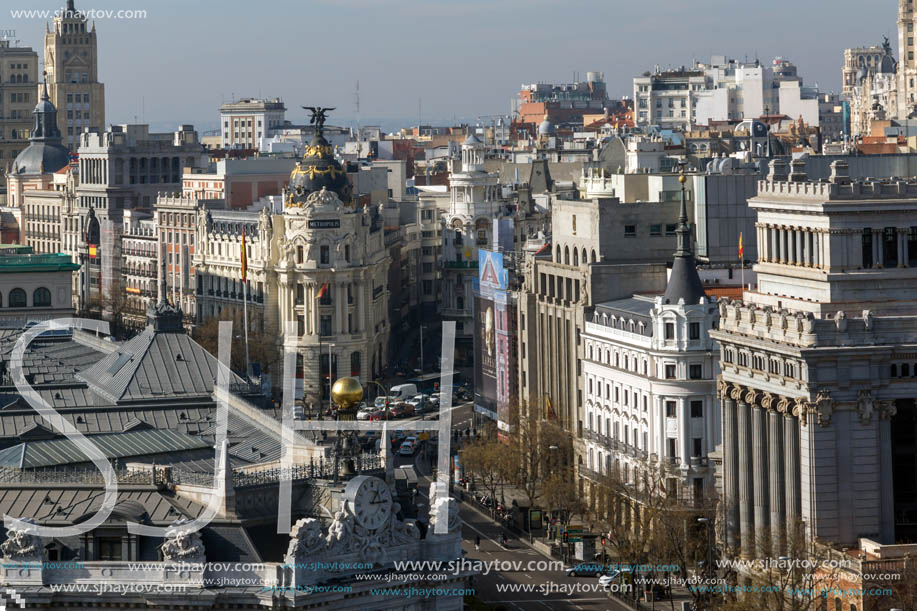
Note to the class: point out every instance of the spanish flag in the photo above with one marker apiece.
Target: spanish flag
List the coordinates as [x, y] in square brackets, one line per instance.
[741, 250]
[244, 256]
[322, 291]
[550, 408]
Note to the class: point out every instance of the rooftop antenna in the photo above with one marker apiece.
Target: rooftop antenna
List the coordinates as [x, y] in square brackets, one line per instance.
[356, 104]
[419, 114]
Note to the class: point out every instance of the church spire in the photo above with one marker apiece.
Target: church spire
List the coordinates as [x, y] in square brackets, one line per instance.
[684, 281]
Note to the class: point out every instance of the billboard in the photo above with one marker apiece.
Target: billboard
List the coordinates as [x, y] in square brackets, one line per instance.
[495, 340]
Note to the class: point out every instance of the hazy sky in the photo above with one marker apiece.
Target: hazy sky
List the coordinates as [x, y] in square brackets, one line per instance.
[463, 58]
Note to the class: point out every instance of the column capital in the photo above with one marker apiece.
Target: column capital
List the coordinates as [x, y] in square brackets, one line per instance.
[751, 396]
[783, 405]
[767, 400]
[722, 389]
[887, 410]
[822, 407]
[735, 392]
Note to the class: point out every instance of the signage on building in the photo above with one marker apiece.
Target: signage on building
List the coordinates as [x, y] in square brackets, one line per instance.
[325, 224]
[495, 337]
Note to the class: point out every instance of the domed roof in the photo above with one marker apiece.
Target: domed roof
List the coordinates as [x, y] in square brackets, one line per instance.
[888, 65]
[317, 170]
[546, 128]
[471, 140]
[45, 154]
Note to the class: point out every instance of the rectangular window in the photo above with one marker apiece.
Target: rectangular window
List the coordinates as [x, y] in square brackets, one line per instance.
[670, 330]
[698, 446]
[670, 372]
[670, 229]
[427, 287]
[697, 409]
[669, 409]
[325, 325]
[655, 230]
[866, 243]
[696, 372]
[670, 447]
[630, 231]
[694, 330]
[325, 255]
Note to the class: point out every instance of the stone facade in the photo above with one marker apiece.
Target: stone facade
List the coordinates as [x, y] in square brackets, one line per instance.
[72, 72]
[321, 265]
[817, 415]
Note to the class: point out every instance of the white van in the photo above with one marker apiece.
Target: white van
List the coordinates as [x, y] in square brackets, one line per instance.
[403, 392]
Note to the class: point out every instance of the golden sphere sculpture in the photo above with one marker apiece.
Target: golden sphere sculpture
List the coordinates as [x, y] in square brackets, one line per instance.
[346, 393]
[682, 178]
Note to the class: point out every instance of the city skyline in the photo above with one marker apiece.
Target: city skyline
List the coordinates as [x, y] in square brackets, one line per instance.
[450, 49]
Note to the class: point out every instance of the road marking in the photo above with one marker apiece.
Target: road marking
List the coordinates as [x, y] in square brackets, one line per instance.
[527, 575]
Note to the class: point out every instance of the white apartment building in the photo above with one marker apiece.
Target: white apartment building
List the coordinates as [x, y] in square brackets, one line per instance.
[722, 90]
[649, 383]
[244, 122]
[474, 204]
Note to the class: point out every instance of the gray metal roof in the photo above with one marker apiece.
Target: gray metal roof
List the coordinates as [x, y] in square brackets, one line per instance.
[53, 452]
[154, 366]
[631, 308]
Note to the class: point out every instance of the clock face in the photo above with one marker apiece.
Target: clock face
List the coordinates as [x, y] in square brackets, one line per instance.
[371, 501]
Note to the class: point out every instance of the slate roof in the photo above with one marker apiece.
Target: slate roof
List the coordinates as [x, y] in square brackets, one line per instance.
[54, 452]
[154, 366]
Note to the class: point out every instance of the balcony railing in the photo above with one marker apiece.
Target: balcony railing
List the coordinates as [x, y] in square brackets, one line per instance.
[698, 461]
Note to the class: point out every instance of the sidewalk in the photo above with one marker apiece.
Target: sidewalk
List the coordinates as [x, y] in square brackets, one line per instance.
[542, 545]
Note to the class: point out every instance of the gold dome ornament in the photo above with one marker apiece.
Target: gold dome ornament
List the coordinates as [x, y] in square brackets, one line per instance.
[681, 177]
[346, 393]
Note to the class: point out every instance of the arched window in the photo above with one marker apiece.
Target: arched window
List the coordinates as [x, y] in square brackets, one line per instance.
[894, 371]
[575, 257]
[17, 298]
[557, 260]
[593, 256]
[566, 255]
[905, 370]
[41, 298]
[584, 259]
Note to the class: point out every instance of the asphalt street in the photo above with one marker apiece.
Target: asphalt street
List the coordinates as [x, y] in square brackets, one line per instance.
[536, 589]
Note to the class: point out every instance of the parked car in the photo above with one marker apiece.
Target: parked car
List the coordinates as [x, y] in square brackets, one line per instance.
[379, 414]
[365, 414]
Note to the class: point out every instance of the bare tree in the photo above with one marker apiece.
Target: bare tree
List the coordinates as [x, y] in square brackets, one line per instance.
[491, 461]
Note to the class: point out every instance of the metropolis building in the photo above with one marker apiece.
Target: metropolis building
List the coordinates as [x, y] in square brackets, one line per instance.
[321, 263]
[818, 367]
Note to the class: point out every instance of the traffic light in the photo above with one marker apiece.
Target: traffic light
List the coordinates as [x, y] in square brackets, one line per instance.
[603, 541]
[566, 537]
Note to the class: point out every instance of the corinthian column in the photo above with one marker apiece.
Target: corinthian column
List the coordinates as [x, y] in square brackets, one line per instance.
[746, 516]
[759, 449]
[791, 469]
[731, 465]
[775, 464]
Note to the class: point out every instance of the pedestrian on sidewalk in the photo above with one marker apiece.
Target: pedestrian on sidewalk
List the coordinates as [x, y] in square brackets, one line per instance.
[477, 543]
[503, 539]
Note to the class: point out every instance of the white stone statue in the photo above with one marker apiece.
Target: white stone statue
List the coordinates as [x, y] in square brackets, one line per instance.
[23, 545]
[340, 534]
[443, 507]
[306, 539]
[181, 545]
